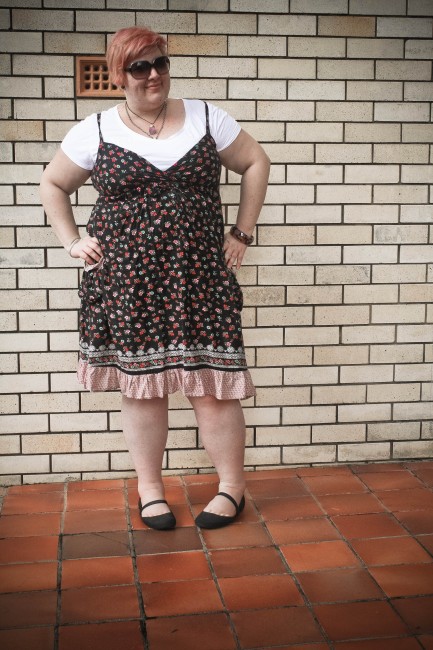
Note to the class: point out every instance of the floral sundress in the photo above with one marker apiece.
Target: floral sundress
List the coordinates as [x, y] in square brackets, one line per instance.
[161, 312]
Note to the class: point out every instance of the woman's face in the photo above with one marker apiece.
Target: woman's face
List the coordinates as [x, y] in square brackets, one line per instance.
[153, 90]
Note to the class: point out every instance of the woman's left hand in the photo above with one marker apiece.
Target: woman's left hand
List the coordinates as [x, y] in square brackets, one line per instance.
[245, 157]
[234, 252]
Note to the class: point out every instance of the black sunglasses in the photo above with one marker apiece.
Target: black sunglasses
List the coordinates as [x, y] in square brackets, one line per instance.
[142, 69]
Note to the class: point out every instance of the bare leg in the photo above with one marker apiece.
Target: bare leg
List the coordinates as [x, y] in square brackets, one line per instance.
[222, 431]
[145, 427]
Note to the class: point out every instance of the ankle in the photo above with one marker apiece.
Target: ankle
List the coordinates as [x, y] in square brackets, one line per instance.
[150, 491]
[236, 490]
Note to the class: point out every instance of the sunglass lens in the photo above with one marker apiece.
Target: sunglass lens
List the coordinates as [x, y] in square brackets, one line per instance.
[162, 64]
[140, 69]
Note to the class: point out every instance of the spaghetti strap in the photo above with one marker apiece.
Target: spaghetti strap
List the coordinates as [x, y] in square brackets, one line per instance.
[207, 118]
[98, 117]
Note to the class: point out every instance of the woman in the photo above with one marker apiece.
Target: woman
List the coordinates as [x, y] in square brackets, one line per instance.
[160, 302]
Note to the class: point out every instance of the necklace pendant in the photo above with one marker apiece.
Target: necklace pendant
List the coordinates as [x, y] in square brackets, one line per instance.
[152, 130]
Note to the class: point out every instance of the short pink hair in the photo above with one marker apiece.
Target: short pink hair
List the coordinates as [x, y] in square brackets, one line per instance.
[128, 44]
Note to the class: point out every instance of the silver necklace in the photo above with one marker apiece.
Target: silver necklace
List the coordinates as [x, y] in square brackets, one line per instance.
[152, 134]
[152, 130]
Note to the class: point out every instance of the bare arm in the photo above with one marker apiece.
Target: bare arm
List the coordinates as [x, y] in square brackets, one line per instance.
[61, 178]
[246, 157]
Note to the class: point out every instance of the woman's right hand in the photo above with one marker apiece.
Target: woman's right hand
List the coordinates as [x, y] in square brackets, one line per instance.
[88, 249]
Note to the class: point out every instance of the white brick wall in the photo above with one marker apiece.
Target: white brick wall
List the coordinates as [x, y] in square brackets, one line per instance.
[338, 321]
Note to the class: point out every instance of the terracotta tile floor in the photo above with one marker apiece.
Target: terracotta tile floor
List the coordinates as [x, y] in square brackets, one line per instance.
[322, 558]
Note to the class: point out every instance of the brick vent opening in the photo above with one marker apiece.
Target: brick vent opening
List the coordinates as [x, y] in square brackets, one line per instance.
[92, 78]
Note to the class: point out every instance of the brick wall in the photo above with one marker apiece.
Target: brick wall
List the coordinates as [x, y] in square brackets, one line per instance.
[338, 316]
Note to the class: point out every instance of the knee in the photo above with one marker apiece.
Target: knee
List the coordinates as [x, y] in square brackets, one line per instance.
[204, 402]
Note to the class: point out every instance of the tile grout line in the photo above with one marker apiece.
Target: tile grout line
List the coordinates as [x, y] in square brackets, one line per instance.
[60, 567]
[3, 494]
[416, 537]
[411, 536]
[388, 510]
[133, 556]
[327, 516]
[364, 565]
[347, 541]
[208, 552]
[308, 603]
[205, 551]
[392, 514]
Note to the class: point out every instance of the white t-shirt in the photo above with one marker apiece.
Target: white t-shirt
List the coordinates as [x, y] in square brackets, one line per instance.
[81, 142]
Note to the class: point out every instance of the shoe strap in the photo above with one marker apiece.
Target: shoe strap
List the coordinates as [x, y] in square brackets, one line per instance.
[152, 503]
[230, 498]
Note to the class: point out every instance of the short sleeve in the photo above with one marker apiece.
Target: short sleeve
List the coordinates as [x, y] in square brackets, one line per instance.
[223, 127]
[81, 143]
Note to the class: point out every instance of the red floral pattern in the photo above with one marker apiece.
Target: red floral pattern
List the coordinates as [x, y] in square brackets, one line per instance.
[161, 298]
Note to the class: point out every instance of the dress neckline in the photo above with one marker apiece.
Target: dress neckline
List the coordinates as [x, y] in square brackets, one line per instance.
[147, 162]
[172, 136]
